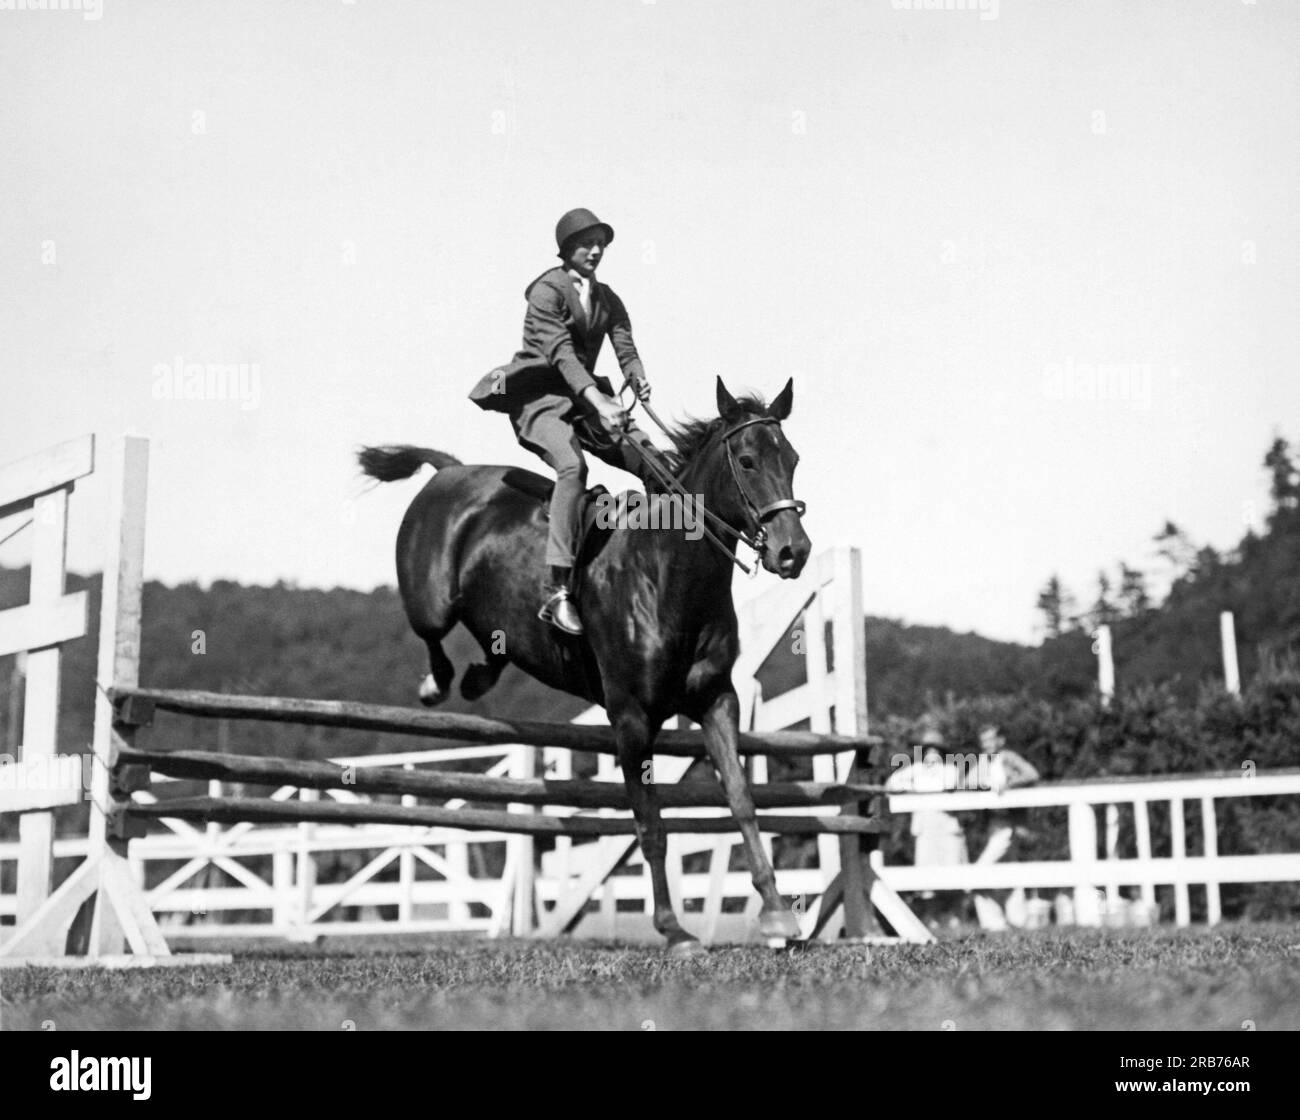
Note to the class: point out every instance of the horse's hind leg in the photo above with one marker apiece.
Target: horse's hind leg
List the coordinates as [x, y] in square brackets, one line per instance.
[427, 585]
[479, 678]
[436, 686]
[431, 617]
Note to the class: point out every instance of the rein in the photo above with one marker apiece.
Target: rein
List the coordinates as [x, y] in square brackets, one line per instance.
[759, 514]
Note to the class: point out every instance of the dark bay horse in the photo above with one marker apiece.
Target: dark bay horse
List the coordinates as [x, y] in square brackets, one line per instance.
[661, 635]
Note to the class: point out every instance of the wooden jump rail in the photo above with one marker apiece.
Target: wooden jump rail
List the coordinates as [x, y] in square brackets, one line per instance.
[136, 707]
[259, 770]
[133, 770]
[266, 810]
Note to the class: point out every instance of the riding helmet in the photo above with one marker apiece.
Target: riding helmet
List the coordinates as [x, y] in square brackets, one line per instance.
[576, 222]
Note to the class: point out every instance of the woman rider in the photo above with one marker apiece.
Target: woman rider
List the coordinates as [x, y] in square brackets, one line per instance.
[555, 402]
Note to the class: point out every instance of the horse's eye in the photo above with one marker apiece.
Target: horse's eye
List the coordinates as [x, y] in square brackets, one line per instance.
[747, 462]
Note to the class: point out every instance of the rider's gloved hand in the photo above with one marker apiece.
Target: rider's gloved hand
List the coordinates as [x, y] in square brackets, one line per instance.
[641, 387]
[611, 414]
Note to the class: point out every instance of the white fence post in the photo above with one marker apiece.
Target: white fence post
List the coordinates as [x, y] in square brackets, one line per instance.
[41, 712]
[1105, 664]
[1228, 639]
[306, 866]
[1142, 833]
[521, 910]
[1112, 852]
[406, 874]
[1210, 833]
[1083, 854]
[1178, 853]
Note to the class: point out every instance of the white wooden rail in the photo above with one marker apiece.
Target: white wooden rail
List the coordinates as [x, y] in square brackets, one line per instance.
[35, 784]
[1088, 871]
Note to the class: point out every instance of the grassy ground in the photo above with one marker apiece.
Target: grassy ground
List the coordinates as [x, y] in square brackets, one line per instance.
[1135, 980]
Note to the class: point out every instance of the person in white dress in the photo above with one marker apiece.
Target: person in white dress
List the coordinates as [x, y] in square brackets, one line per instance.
[938, 838]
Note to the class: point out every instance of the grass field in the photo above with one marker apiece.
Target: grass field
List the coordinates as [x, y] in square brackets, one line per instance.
[1134, 980]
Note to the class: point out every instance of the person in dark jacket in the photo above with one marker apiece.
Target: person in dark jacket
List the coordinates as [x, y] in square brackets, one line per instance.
[557, 405]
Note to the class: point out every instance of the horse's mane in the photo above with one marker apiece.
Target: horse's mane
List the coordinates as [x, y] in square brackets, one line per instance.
[692, 435]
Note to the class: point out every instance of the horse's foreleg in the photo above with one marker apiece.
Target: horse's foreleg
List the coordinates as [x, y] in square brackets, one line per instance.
[632, 731]
[721, 722]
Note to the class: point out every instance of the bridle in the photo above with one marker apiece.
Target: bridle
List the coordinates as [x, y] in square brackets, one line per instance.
[756, 538]
[758, 513]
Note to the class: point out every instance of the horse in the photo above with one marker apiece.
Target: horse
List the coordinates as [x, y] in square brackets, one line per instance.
[660, 626]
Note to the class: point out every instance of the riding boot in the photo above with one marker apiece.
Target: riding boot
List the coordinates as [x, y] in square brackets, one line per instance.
[559, 609]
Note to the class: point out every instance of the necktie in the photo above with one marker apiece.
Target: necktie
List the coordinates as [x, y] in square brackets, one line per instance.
[584, 295]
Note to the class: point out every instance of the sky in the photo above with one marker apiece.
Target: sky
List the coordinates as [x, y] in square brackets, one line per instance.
[941, 224]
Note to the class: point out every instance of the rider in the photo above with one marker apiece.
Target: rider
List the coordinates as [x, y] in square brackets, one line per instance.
[554, 400]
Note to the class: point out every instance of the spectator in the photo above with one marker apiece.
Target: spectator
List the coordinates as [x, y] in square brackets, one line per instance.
[938, 839]
[1006, 770]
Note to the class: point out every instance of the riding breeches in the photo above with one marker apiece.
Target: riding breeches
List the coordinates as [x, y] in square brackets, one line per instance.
[554, 429]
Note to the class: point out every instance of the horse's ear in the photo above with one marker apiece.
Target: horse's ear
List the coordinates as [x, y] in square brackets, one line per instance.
[779, 409]
[728, 409]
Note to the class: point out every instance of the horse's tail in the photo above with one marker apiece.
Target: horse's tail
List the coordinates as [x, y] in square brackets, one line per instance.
[388, 464]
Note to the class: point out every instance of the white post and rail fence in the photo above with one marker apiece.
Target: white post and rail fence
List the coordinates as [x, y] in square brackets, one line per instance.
[1094, 867]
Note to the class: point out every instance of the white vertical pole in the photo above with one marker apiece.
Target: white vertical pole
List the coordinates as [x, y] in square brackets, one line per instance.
[1142, 830]
[406, 870]
[850, 644]
[849, 654]
[282, 889]
[558, 764]
[41, 709]
[521, 920]
[1210, 827]
[121, 608]
[118, 666]
[1228, 639]
[1112, 852]
[821, 701]
[1082, 825]
[456, 853]
[1105, 664]
[306, 869]
[1178, 838]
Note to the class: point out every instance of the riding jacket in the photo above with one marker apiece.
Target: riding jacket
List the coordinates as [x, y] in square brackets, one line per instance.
[560, 345]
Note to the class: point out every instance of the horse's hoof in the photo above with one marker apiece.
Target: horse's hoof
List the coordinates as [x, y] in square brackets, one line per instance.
[778, 925]
[430, 694]
[687, 948]
[478, 679]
